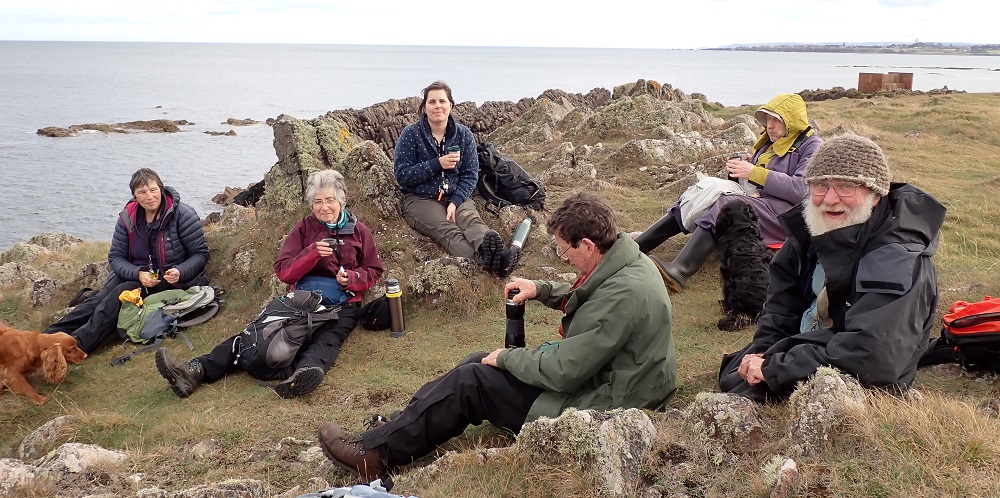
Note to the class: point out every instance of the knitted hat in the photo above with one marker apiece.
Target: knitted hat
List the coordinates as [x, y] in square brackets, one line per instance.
[851, 158]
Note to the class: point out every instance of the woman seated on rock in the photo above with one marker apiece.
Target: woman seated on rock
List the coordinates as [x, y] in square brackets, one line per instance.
[437, 167]
[330, 252]
[158, 245]
[775, 169]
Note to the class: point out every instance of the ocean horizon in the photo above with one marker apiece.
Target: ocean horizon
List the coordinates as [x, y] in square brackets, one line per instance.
[77, 185]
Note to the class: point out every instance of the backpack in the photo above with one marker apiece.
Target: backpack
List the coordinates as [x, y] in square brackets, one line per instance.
[375, 314]
[503, 182]
[271, 341]
[164, 314]
[970, 337]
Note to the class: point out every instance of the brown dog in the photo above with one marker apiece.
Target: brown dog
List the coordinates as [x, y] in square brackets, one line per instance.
[23, 352]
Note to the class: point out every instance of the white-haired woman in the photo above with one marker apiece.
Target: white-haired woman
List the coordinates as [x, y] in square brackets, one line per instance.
[328, 251]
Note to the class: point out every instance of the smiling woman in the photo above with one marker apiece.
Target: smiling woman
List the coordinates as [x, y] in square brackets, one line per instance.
[158, 245]
[437, 167]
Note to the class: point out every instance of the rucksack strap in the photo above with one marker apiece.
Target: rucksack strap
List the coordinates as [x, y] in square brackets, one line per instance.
[148, 347]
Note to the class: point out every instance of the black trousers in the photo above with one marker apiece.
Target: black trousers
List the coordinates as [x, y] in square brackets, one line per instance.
[731, 382]
[320, 351]
[96, 318]
[443, 408]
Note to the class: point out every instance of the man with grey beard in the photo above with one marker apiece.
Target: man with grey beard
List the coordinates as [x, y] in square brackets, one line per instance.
[853, 287]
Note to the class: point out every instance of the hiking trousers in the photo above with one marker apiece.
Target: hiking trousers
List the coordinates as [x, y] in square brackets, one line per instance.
[321, 350]
[460, 238]
[96, 318]
[443, 408]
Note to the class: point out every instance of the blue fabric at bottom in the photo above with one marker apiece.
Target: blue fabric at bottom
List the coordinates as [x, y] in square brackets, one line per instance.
[331, 290]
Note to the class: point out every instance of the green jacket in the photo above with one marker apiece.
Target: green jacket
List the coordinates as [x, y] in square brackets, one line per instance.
[618, 351]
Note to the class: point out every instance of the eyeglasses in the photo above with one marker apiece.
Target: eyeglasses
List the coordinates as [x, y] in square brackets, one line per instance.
[843, 189]
[560, 252]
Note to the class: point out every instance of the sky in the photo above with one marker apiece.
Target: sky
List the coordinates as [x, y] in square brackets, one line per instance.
[659, 24]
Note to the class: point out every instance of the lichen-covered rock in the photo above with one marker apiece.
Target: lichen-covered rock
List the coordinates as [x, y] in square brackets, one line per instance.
[14, 474]
[727, 424]
[46, 437]
[739, 136]
[372, 170]
[94, 275]
[18, 273]
[313, 485]
[437, 276]
[41, 291]
[534, 126]
[22, 252]
[820, 406]
[74, 458]
[639, 116]
[233, 488]
[55, 241]
[235, 216]
[608, 445]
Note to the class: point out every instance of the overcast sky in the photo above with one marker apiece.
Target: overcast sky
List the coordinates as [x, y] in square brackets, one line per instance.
[534, 23]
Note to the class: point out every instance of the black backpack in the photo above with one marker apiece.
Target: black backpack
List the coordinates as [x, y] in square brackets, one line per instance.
[503, 182]
[270, 343]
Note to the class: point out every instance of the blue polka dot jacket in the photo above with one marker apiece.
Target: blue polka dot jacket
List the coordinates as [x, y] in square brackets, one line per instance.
[418, 169]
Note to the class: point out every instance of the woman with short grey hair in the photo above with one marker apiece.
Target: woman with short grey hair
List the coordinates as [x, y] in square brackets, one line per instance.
[329, 252]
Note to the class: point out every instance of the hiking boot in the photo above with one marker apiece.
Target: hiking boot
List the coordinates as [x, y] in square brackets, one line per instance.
[184, 378]
[507, 261]
[302, 382]
[345, 451]
[490, 251]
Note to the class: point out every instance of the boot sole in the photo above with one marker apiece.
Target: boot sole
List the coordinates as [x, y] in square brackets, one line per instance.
[301, 383]
[494, 249]
[167, 373]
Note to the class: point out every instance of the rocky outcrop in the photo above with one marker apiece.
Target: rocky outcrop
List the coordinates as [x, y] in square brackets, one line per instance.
[382, 123]
[229, 133]
[820, 407]
[606, 445]
[728, 425]
[240, 122]
[47, 437]
[153, 126]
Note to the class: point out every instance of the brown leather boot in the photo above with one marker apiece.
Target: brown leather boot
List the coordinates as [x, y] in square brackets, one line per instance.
[346, 452]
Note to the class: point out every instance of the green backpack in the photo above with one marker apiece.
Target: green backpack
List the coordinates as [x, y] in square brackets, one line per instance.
[163, 314]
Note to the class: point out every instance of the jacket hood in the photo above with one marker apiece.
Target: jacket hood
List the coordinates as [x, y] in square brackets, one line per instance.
[792, 110]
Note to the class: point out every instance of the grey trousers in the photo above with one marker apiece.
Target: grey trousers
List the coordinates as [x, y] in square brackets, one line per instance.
[460, 238]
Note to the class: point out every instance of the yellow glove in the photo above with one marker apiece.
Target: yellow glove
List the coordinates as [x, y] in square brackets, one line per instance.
[132, 296]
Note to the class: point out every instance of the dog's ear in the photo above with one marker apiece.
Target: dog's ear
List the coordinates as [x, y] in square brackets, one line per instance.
[54, 364]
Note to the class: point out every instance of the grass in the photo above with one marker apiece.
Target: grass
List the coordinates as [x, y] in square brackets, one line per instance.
[944, 445]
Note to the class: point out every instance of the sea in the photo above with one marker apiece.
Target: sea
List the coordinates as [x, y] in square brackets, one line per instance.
[77, 185]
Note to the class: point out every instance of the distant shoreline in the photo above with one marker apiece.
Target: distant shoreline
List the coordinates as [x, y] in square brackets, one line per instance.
[895, 49]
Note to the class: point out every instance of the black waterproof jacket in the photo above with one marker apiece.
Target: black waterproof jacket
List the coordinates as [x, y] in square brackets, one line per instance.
[882, 289]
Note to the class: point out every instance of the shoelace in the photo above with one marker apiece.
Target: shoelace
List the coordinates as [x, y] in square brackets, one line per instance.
[375, 422]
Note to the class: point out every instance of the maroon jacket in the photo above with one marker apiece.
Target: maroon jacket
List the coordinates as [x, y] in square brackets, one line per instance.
[357, 254]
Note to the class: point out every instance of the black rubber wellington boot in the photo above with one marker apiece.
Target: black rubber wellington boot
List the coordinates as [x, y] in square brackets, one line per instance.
[692, 256]
[657, 233]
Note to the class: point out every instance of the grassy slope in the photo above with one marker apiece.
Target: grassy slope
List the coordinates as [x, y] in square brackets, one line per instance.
[947, 145]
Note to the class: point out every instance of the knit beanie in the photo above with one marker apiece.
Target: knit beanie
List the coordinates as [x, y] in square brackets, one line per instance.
[851, 158]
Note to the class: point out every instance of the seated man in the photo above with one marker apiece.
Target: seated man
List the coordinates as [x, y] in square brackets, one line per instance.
[854, 286]
[617, 352]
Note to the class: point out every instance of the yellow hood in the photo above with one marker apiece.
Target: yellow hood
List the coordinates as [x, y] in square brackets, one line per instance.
[792, 110]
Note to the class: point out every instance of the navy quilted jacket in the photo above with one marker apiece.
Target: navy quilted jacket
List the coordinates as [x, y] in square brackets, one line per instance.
[180, 242]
